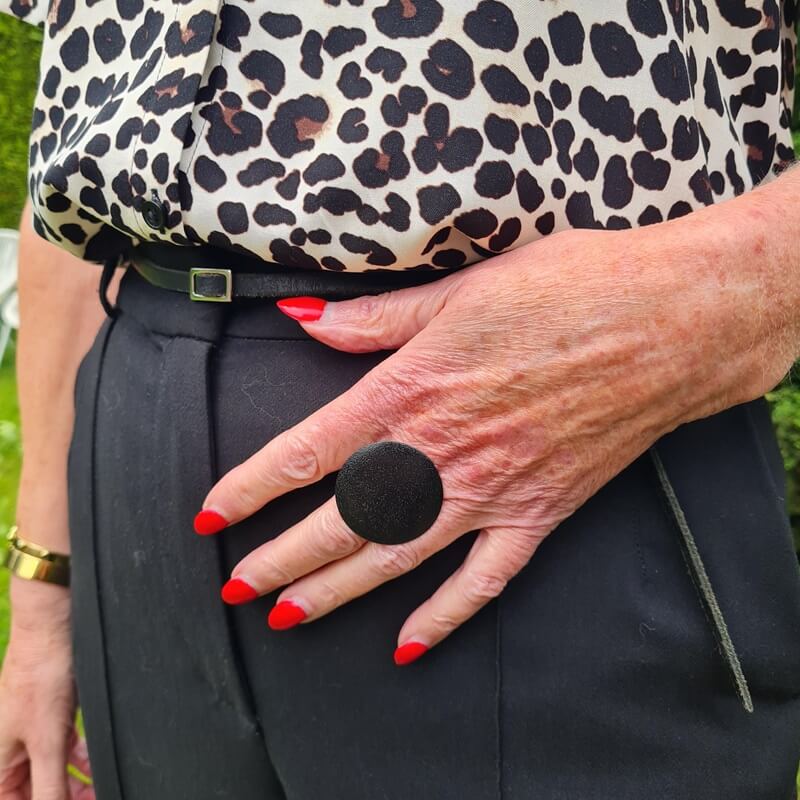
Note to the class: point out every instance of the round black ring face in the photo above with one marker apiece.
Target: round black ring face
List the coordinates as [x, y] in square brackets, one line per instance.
[389, 492]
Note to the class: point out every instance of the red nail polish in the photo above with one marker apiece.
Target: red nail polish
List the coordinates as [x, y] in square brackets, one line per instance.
[285, 615]
[408, 652]
[304, 309]
[208, 521]
[236, 591]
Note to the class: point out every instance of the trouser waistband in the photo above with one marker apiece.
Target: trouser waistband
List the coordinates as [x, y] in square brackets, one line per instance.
[173, 313]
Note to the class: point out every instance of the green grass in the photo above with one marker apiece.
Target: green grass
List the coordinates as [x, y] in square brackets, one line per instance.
[9, 471]
[20, 46]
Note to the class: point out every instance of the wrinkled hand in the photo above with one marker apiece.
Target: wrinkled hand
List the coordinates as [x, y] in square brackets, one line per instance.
[530, 379]
[38, 738]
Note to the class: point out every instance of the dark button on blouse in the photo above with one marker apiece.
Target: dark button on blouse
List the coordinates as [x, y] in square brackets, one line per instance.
[153, 212]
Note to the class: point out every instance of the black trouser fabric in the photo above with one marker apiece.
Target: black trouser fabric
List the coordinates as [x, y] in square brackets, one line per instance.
[594, 676]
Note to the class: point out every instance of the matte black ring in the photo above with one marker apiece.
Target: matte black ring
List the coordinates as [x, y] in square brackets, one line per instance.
[389, 492]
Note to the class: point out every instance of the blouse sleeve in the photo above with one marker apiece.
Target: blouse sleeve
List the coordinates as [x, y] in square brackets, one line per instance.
[31, 11]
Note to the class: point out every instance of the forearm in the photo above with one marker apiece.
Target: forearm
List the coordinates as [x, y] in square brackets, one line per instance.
[733, 277]
[769, 215]
[59, 316]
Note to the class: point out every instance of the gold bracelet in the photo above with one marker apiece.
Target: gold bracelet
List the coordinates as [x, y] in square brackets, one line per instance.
[33, 562]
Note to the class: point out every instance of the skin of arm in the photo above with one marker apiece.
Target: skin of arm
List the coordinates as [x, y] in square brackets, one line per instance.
[558, 363]
[60, 314]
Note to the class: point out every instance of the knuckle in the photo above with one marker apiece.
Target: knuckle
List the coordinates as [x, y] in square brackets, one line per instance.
[478, 588]
[392, 560]
[445, 623]
[371, 309]
[337, 539]
[267, 567]
[299, 459]
[330, 596]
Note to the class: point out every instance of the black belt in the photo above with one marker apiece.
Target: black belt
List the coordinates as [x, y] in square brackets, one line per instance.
[216, 275]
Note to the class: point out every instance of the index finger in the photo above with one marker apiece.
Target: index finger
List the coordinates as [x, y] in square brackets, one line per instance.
[301, 455]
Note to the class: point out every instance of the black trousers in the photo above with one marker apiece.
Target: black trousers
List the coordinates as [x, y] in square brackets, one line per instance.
[596, 674]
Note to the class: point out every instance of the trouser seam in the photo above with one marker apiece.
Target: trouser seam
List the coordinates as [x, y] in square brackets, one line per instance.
[233, 639]
[499, 695]
[95, 565]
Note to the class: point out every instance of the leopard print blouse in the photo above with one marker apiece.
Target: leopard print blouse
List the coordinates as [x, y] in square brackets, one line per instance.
[397, 134]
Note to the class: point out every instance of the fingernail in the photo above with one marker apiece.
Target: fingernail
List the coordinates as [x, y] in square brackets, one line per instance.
[304, 309]
[285, 615]
[408, 652]
[207, 522]
[237, 591]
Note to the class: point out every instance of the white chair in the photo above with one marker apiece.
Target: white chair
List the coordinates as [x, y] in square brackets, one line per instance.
[9, 305]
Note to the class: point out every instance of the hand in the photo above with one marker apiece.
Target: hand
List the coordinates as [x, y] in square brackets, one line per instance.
[530, 379]
[37, 701]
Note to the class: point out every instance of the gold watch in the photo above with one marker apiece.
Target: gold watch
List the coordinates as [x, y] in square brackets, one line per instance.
[33, 562]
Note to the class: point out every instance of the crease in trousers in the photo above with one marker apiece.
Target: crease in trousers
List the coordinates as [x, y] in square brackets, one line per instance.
[596, 674]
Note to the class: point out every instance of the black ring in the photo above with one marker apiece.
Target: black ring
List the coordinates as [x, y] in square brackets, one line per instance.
[389, 492]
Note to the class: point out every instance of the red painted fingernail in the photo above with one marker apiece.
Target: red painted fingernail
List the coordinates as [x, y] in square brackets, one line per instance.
[304, 309]
[408, 652]
[207, 522]
[236, 591]
[285, 615]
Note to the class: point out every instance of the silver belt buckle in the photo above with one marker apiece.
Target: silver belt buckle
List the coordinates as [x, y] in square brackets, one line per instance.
[224, 297]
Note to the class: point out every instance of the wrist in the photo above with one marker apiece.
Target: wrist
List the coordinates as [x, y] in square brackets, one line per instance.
[744, 295]
[36, 605]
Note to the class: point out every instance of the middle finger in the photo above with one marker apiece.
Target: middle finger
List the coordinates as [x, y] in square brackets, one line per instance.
[321, 537]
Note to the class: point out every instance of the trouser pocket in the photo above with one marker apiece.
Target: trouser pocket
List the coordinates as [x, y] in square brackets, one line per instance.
[724, 473]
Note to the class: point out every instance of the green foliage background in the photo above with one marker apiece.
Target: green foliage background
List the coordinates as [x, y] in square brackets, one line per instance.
[19, 53]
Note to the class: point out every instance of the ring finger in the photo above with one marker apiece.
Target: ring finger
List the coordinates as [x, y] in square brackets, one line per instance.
[335, 584]
[321, 537]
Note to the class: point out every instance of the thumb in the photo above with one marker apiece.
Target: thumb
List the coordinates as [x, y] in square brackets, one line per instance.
[367, 323]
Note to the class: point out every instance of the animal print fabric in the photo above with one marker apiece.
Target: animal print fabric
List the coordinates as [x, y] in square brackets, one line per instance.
[408, 134]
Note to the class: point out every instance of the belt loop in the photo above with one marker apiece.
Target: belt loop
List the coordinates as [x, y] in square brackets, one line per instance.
[701, 580]
[109, 266]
